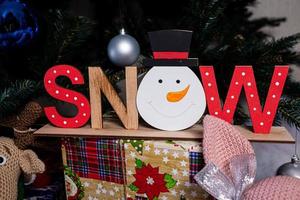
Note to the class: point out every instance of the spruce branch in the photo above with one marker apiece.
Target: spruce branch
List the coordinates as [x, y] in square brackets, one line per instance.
[283, 44]
[289, 110]
[16, 95]
[66, 41]
[257, 24]
[78, 32]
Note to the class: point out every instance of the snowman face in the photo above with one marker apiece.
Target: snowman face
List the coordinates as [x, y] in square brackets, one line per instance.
[171, 98]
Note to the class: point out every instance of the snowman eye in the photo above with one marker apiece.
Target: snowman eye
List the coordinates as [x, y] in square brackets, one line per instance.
[160, 81]
[178, 81]
[2, 160]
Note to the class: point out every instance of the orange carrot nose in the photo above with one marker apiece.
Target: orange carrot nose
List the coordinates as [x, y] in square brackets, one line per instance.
[177, 96]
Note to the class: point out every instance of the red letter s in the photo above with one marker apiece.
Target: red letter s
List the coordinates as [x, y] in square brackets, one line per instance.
[70, 96]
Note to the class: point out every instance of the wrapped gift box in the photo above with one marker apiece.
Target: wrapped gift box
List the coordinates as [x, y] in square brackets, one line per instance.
[132, 169]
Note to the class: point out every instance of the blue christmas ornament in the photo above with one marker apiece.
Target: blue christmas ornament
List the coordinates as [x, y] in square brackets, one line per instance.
[18, 25]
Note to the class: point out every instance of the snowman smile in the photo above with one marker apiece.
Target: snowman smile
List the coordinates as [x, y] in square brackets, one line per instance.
[188, 107]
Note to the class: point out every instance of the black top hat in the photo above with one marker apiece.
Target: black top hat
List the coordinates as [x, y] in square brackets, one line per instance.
[170, 48]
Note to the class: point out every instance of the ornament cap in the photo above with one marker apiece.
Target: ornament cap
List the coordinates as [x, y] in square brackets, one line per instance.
[291, 168]
[295, 158]
[122, 31]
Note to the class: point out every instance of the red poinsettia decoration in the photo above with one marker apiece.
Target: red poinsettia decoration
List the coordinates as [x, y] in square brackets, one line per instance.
[150, 182]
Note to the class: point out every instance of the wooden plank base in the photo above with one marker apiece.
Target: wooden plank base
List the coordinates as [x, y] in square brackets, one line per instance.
[113, 128]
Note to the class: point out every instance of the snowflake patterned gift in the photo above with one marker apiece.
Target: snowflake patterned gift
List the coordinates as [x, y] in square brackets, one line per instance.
[161, 170]
[102, 190]
[131, 169]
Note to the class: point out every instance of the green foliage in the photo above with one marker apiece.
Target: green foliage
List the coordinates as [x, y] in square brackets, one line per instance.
[289, 110]
[15, 96]
[170, 182]
[75, 178]
[139, 163]
[67, 41]
[137, 145]
[133, 188]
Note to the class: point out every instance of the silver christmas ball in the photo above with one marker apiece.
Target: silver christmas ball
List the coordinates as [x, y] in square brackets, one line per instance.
[123, 50]
[291, 168]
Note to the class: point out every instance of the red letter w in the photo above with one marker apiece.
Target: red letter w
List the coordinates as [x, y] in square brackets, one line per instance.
[243, 77]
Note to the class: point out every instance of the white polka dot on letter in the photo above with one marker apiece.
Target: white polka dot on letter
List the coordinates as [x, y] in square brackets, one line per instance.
[268, 113]
[261, 123]
[243, 73]
[75, 98]
[56, 92]
[209, 84]
[212, 98]
[279, 74]
[65, 122]
[236, 83]
[206, 73]
[249, 84]
[277, 83]
[228, 111]
[216, 113]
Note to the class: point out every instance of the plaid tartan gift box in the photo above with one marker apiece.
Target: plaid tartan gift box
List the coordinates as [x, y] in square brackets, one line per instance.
[131, 169]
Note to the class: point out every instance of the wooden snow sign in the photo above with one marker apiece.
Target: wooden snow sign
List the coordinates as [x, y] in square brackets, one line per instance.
[170, 97]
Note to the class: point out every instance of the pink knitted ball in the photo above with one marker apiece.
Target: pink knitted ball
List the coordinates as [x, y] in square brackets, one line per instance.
[274, 188]
[222, 142]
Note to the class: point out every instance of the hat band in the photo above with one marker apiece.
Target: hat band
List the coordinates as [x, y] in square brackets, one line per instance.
[170, 55]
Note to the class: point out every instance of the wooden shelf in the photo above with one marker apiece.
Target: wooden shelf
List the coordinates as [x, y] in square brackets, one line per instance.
[114, 129]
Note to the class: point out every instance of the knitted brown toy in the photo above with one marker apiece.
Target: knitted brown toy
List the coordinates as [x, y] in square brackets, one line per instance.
[13, 161]
[22, 122]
